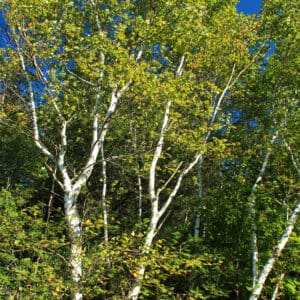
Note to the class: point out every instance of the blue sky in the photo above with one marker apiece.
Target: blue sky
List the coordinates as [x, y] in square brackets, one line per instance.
[245, 6]
[249, 6]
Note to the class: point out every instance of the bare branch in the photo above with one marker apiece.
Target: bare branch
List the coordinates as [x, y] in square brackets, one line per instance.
[162, 222]
[197, 157]
[230, 83]
[53, 173]
[80, 78]
[227, 87]
[52, 193]
[169, 180]
[42, 76]
[97, 19]
[139, 54]
[200, 194]
[180, 67]
[247, 66]
[156, 156]
[61, 156]
[36, 135]
[98, 138]
[288, 147]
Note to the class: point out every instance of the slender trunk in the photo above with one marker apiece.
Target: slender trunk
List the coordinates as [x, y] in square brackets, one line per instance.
[197, 225]
[134, 293]
[154, 193]
[263, 275]
[51, 198]
[2, 96]
[252, 205]
[254, 249]
[139, 177]
[104, 206]
[155, 216]
[275, 293]
[75, 234]
[200, 193]
[140, 212]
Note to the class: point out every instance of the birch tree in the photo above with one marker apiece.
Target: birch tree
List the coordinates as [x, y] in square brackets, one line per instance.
[42, 80]
[122, 97]
[159, 207]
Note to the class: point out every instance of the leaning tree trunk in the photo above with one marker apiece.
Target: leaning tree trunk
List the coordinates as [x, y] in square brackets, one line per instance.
[134, 293]
[291, 222]
[263, 275]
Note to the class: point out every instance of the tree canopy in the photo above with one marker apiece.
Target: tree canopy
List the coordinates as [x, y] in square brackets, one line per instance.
[149, 150]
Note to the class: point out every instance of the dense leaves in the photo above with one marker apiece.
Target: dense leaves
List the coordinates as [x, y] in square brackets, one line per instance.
[232, 81]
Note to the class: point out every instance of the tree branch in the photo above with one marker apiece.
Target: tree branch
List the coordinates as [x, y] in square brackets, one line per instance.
[31, 104]
[156, 156]
[263, 275]
[253, 212]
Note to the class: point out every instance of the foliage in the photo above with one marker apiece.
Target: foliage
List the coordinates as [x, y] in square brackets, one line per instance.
[239, 84]
[32, 255]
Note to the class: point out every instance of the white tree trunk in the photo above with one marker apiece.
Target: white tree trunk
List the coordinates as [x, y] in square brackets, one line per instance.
[104, 204]
[275, 293]
[154, 193]
[140, 205]
[263, 275]
[139, 177]
[71, 186]
[75, 234]
[200, 193]
[252, 205]
[135, 291]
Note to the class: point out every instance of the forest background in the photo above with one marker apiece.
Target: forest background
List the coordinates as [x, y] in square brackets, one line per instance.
[149, 150]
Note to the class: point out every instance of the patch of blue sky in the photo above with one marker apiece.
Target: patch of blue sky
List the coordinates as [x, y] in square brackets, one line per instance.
[271, 50]
[253, 124]
[249, 7]
[5, 40]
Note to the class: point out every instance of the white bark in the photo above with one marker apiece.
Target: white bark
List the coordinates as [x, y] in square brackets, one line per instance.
[52, 192]
[99, 135]
[156, 216]
[104, 206]
[200, 193]
[32, 108]
[180, 67]
[157, 213]
[230, 83]
[179, 182]
[263, 275]
[294, 160]
[276, 290]
[139, 54]
[139, 177]
[140, 204]
[253, 212]
[220, 99]
[72, 186]
[134, 292]
[211, 120]
[75, 232]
